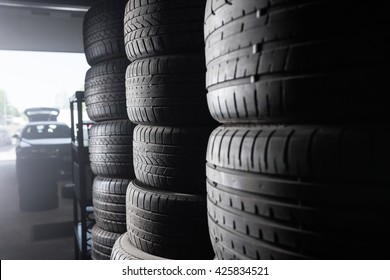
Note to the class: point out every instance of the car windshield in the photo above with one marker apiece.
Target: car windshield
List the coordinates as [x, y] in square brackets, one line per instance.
[41, 131]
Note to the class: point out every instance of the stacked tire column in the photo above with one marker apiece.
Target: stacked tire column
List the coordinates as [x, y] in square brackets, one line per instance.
[165, 90]
[298, 170]
[110, 138]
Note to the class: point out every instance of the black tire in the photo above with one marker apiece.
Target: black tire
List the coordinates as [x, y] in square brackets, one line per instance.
[171, 158]
[103, 250]
[103, 237]
[169, 225]
[163, 27]
[124, 250]
[29, 171]
[38, 197]
[110, 190]
[233, 246]
[103, 31]
[306, 202]
[167, 90]
[103, 240]
[105, 95]
[286, 62]
[112, 207]
[37, 203]
[110, 221]
[320, 231]
[110, 149]
[109, 214]
[308, 153]
[97, 255]
[248, 226]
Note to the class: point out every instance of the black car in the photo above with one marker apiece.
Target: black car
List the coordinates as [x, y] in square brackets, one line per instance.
[43, 152]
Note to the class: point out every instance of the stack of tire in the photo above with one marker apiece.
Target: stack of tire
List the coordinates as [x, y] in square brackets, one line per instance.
[165, 91]
[37, 185]
[110, 137]
[299, 168]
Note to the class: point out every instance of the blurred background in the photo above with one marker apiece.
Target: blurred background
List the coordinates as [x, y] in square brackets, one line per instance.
[34, 79]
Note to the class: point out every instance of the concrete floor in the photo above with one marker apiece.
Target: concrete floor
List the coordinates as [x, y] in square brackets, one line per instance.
[19, 239]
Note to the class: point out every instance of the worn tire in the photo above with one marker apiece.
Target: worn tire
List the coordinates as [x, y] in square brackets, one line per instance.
[285, 61]
[110, 190]
[109, 220]
[167, 90]
[163, 27]
[105, 95]
[110, 149]
[171, 158]
[103, 241]
[124, 250]
[291, 192]
[103, 31]
[165, 224]
[97, 255]
[307, 152]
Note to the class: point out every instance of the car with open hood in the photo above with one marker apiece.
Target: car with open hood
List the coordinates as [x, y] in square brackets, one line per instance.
[37, 114]
[43, 152]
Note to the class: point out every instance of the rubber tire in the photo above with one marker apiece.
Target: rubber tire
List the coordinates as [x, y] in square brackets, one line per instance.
[306, 152]
[124, 250]
[97, 255]
[316, 230]
[103, 240]
[165, 224]
[244, 248]
[29, 171]
[105, 95]
[285, 61]
[34, 203]
[38, 197]
[167, 90]
[110, 221]
[163, 27]
[288, 210]
[103, 31]
[110, 149]
[171, 158]
[110, 190]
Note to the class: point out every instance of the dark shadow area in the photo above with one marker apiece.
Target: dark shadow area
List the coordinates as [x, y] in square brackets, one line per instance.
[51, 231]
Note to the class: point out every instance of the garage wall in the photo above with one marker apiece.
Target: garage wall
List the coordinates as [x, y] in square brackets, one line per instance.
[33, 29]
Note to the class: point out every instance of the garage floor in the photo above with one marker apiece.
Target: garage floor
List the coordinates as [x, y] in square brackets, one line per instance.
[43, 235]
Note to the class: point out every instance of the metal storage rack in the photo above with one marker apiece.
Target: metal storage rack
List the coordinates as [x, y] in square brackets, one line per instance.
[83, 219]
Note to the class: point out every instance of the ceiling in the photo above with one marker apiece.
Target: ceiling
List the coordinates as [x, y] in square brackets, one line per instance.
[42, 25]
[48, 4]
